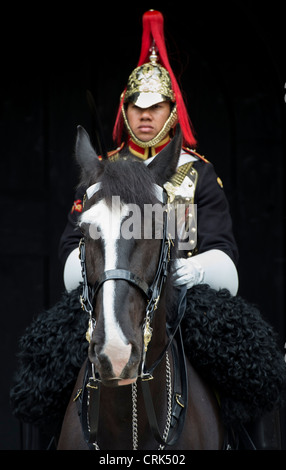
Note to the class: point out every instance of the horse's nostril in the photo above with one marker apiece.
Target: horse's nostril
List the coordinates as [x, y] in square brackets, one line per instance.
[104, 365]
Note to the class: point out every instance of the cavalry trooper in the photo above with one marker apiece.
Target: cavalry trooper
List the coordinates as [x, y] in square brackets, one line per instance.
[150, 108]
[230, 344]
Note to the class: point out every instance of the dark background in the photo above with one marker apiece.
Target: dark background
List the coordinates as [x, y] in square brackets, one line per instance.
[230, 58]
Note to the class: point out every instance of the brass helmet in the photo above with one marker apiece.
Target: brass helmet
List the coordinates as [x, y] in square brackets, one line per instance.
[151, 82]
[148, 85]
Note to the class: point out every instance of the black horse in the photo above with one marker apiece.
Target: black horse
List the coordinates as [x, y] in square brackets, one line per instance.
[136, 390]
[136, 318]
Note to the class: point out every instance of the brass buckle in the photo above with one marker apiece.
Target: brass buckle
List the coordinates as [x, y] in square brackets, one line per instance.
[177, 397]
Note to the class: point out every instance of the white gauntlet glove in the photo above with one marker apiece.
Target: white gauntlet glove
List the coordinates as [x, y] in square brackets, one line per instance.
[213, 267]
[187, 271]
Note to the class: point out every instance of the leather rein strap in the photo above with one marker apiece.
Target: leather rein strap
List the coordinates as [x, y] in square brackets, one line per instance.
[180, 387]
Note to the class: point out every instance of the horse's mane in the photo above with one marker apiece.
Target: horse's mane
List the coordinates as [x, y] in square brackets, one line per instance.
[129, 179]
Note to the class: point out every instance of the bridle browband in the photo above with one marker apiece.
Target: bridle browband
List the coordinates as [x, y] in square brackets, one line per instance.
[152, 293]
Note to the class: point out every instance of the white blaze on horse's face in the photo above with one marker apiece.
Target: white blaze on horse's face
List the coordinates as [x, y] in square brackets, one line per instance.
[108, 223]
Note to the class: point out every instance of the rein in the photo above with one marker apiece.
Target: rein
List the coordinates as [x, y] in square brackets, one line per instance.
[91, 387]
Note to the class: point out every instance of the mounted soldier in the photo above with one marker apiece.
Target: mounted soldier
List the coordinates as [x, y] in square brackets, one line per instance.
[225, 338]
[150, 108]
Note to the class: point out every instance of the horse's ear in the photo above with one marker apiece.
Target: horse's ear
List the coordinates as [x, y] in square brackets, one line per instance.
[164, 165]
[85, 154]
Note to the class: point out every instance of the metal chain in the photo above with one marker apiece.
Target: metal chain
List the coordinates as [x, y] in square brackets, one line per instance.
[169, 401]
[135, 413]
[169, 408]
[134, 416]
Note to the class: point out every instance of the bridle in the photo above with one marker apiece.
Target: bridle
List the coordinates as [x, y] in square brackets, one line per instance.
[90, 404]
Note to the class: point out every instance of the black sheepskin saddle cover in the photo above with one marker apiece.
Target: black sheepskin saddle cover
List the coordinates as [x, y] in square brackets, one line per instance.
[51, 353]
[225, 338]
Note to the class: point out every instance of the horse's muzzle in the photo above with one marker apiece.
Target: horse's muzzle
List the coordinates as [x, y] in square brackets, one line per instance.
[116, 372]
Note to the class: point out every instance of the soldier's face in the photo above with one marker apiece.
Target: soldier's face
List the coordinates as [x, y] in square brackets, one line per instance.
[147, 123]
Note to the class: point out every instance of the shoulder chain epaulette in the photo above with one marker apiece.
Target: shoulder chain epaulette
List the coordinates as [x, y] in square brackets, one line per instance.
[181, 191]
[183, 183]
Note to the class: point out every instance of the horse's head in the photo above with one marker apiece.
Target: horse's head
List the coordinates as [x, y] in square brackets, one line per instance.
[123, 250]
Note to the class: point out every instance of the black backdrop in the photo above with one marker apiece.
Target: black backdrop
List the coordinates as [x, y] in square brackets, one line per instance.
[230, 58]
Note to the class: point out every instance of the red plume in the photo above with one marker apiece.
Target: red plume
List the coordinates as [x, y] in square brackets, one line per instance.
[153, 30]
[119, 124]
